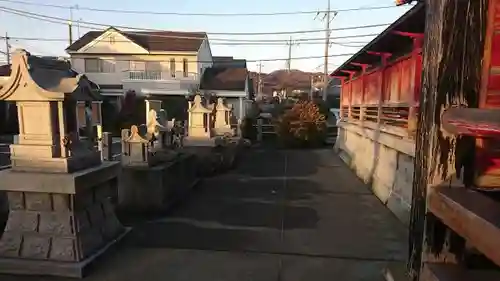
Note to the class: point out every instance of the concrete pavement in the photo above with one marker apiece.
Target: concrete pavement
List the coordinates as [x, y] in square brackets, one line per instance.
[281, 215]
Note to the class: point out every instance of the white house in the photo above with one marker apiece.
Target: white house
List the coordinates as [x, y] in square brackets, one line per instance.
[150, 63]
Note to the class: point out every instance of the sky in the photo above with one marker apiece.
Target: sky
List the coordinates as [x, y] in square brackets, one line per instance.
[19, 26]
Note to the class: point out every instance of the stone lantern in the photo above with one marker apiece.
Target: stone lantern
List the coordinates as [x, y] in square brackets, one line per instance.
[60, 216]
[223, 114]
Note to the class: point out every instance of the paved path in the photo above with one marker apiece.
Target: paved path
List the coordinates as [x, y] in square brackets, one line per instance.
[280, 216]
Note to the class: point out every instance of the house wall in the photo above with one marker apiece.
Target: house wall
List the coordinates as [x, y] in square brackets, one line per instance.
[389, 170]
[122, 65]
[204, 58]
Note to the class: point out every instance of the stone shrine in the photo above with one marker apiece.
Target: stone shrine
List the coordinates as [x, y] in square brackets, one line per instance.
[198, 119]
[60, 216]
[200, 122]
[223, 115]
[136, 145]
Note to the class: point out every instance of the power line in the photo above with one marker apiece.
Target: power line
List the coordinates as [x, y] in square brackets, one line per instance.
[65, 21]
[260, 60]
[193, 14]
[239, 41]
[252, 43]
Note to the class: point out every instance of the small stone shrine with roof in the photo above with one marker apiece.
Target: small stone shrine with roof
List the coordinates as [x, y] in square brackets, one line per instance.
[60, 216]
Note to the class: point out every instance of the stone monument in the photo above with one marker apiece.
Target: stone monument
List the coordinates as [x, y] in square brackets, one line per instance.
[60, 216]
[199, 124]
[223, 115]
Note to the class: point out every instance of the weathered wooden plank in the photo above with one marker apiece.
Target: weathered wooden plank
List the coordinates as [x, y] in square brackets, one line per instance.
[448, 272]
[472, 122]
[471, 214]
[452, 58]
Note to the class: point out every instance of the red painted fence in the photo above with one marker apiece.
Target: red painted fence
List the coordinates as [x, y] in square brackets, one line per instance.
[388, 94]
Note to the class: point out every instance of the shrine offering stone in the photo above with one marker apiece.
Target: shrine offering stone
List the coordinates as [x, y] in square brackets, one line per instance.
[58, 223]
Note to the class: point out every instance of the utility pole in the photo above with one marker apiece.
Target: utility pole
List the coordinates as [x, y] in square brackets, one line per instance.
[77, 23]
[311, 88]
[7, 47]
[70, 25]
[289, 66]
[327, 46]
[327, 18]
[290, 43]
[259, 86]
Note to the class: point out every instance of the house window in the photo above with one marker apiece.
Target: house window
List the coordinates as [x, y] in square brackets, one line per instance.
[99, 66]
[172, 67]
[153, 66]
[112, 40]
[137, 66]
[185, 69]
[93, 65]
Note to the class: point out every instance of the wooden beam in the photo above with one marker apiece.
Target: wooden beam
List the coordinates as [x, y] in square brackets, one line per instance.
[383, 55]
[472, 215]
[351, 73]
[408, 34]
[452, 54]
[363, 66]
[446, 272]
[472, 122]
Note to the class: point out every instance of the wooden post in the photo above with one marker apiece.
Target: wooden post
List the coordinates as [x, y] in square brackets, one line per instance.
[362, 106]
[107, 146]
[452, 56]
[384, 58]
[259, 129]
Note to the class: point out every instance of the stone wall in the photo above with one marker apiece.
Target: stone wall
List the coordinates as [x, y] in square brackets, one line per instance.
[383, 158]
[59, 227]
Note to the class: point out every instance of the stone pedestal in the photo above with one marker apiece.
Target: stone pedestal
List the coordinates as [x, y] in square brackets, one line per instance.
[155, 189]
[58, 223]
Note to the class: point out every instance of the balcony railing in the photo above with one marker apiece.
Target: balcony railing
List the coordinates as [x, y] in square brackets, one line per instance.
[161, 75]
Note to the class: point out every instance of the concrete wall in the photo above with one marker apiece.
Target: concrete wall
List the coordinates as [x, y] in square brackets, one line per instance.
[383, 158]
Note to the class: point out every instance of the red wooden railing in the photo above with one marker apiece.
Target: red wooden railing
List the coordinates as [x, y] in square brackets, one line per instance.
[387, 94]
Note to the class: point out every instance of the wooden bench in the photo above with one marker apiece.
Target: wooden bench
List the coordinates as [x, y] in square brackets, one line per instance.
[471, 214]
[449, 272]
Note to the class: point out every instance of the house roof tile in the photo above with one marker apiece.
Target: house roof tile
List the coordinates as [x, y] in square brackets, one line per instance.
[151, 41]
[224, 78]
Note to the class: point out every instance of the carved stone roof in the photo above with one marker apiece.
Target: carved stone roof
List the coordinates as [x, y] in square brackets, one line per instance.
[41, 79]
[197, 106]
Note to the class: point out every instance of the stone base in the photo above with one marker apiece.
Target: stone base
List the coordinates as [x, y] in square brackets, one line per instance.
[63, 219]
[155, 189]
[55, 165]
[223, 131]
[53, 268]
[194, 141]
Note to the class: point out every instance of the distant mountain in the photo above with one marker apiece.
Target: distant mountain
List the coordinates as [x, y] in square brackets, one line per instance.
[280, 79]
